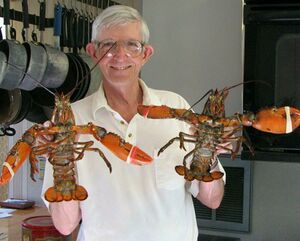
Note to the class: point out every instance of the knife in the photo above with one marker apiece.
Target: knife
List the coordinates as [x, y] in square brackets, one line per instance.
[57, 24]
[42, 19]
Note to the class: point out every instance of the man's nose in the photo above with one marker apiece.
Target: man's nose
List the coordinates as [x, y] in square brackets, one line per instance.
[119, 49]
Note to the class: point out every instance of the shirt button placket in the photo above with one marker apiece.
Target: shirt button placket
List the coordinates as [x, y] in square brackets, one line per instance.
[130, 136]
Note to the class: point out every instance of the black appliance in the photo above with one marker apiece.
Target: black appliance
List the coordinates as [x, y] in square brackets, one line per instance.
[272, 55]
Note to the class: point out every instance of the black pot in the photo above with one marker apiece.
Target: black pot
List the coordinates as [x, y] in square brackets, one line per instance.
[85, 78]
[15, 105]
[36, 114]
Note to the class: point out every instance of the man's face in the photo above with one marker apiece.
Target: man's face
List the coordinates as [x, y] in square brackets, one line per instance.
[119, 65]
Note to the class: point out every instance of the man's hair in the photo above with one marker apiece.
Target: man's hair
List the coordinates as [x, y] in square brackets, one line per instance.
[118, 15]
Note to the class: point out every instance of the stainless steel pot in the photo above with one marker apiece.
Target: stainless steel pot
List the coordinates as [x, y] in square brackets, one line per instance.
[57, 67]
[37, 64]
[15, 67]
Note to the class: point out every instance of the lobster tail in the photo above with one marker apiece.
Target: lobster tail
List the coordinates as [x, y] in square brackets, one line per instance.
[53, 195]
[205, 177]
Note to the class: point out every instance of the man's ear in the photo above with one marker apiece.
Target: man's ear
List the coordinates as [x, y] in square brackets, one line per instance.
[90, 49]
[148, 52]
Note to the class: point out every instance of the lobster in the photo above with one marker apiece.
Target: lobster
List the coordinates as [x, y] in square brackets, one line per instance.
[63, 150]
[215, 133]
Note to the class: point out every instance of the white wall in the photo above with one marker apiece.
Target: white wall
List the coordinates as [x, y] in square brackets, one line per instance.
[198, 46]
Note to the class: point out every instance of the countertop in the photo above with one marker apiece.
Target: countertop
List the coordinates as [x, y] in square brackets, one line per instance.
[13, 225]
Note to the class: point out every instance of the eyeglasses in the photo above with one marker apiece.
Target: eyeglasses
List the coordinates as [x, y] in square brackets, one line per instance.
[132, 47]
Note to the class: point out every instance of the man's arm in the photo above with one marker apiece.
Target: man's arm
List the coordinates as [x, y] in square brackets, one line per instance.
[66, 215]
[211, 193]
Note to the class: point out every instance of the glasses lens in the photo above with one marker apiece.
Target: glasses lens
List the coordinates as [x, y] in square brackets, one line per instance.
[105, 45]
[132, 47]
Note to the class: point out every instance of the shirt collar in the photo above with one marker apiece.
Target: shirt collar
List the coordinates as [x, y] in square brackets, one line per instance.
[99, 99]
[149, 96]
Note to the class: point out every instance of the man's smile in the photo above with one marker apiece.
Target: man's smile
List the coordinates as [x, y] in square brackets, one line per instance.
[121, 67]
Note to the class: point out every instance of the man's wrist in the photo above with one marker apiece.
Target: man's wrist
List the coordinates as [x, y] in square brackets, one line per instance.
[214, 163]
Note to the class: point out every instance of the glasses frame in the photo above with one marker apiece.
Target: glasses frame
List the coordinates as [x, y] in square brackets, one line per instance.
[115, 44]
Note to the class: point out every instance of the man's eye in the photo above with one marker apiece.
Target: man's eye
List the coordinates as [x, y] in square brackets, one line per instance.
[133, 44]
[106, 45]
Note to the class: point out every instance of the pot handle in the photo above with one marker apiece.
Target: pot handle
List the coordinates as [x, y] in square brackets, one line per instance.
[7, 131]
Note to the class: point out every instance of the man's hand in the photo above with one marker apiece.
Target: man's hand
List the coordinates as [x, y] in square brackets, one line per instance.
[43, 139]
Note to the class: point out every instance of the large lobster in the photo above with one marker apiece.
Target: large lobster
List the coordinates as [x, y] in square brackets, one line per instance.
[214, 131]
[63, 149]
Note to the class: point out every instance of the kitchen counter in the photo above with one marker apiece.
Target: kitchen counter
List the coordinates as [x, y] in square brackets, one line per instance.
[13, 225]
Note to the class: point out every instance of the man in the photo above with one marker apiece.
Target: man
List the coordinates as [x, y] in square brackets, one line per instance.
[133, 203]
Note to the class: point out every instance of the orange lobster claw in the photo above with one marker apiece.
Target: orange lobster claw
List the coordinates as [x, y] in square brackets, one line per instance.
[165, 112]
[155, 112]
[122, 149]
[14, 161]
[277, 120]
[125, 151]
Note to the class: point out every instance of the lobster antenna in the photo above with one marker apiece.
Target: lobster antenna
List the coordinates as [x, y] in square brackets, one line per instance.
[30, 76]
[208, 92]
[231, 87]
[93, 67]
[247, 82]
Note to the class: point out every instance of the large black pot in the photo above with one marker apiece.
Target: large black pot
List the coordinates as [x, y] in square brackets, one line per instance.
[14, 105]
[76, 71]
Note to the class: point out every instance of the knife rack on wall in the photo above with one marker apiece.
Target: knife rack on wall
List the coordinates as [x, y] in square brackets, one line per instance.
[34, 19]
[43, 25]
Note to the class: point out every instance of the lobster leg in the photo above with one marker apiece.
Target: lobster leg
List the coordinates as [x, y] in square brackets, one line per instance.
[170, 142]
[103, 157]
[122, 149]
[183, 170]
[181, 138]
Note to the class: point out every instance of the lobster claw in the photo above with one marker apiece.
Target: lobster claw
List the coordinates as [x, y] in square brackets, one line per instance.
[155, 112]
[125, 151]
[17, 155]
[277, 120]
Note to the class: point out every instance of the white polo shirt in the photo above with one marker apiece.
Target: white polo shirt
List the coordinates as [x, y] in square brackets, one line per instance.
[134, 203]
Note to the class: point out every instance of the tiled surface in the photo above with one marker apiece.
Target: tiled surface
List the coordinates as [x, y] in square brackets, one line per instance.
[3, 154]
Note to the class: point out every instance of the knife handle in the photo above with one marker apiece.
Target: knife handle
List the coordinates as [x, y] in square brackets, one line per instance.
[25, 14]
[6, 7]
[42, 15]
